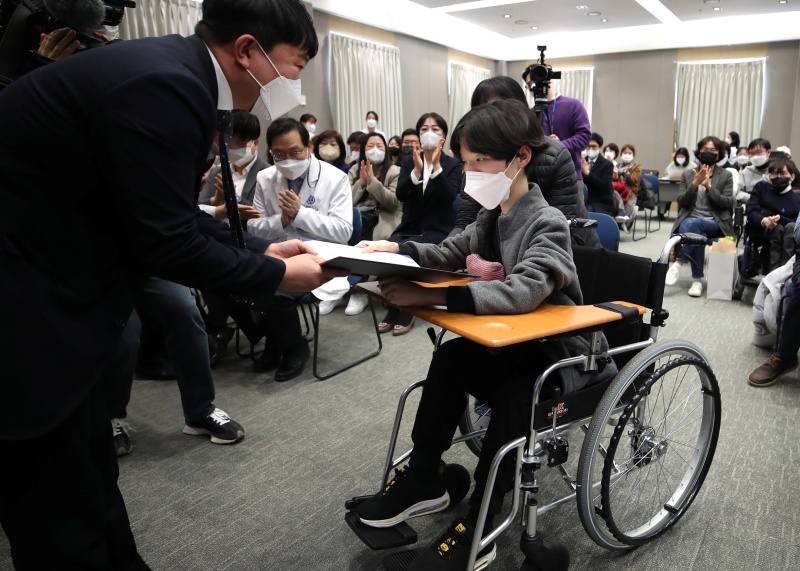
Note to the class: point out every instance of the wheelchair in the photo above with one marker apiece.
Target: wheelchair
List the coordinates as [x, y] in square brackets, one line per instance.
[650, 432]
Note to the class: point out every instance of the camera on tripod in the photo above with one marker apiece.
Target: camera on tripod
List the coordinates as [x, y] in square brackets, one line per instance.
[538, 76]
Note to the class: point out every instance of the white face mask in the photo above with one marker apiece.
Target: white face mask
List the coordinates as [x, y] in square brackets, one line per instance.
[728, 140]
[329, 153]
[758, 161]
[610, 155]
[293, 168]
[310, 127]
[355, 155]
[277, 97]
[680, 161]
[742, 160]
[241, 157]
[429, 140]
[627, 158]
[371, 123]
[489, 189]
[375, 156]
[584, 153]
[593, 153]
[722, 162]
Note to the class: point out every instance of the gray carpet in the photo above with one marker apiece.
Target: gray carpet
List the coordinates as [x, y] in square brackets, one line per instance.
[276, 501]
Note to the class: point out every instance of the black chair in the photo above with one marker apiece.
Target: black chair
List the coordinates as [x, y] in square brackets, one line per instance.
[650, 211]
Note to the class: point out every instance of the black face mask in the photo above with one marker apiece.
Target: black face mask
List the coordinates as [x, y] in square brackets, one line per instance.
[708, 158]
[779, 184]
[407, 150]
[393, 151]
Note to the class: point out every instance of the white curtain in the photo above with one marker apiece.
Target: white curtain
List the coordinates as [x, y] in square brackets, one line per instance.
[365, 76]
[576, 82]
[716, 98]
[160, 18]
[462, 81]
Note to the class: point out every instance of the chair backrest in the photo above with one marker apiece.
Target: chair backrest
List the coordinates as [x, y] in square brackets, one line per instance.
[355, 237]
[457, 203]
[607, 230]
[652, 172]
[653, 180]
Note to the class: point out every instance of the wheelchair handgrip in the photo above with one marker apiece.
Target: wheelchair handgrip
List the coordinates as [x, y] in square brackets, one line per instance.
[690, 239]
[581, 222]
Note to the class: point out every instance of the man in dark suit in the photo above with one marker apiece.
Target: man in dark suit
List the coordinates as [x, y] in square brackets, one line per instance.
[597, 176]
[138, 119]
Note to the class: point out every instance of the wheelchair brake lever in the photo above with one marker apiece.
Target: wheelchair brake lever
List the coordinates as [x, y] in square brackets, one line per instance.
[432, 335]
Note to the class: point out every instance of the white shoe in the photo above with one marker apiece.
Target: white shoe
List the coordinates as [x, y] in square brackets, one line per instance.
[621, 219]
[357, 303]
[673, 273]
[325, 307]
[697, 289]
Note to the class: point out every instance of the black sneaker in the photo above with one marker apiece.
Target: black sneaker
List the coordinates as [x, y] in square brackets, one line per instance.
[451, 551]
[406, 496]
[221, 427]
[122, 443]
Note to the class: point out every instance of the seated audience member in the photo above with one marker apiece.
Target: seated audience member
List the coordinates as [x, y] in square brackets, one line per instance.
[611, 152]
[299, 197]
[759, 151]
[393, 149]
[732, 139]
[785, 359]
[552, 169]
[706, 203]
[329, 147]
[597, 175]
[372, 124]
[784, 152]
[519, 232]
[428, 184]
[310, 123]
[681, 161]
[409, 142]
[354, 142]
[724, 155]
[772, 210]
[742, 159]
[628, 176]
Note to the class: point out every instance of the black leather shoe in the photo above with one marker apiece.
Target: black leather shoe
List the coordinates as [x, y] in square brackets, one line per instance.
[293, 363]
[268, 360]
[159, 369]
[218, 342]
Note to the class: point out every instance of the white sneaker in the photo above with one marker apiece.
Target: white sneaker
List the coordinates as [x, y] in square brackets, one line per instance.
[673, 273]
[697, 289]
[325, 307]
[357, 303]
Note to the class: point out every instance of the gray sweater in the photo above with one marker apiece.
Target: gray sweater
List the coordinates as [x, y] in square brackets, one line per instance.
[534, 247]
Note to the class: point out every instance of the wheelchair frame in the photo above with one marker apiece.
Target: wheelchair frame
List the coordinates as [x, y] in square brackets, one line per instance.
[529, 452]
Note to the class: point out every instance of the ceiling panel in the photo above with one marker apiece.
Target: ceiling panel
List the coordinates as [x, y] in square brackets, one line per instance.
[437, 3]
[552, 16]
[688, 10]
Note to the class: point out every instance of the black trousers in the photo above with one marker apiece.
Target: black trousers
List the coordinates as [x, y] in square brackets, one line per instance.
[503, 380]
[60, 506]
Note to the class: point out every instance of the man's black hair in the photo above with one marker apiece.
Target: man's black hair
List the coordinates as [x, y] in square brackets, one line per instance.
[271, 22]
[355, 137]
[286, 125]
[307, 117]
[438, 119]
[759, 143]
[706, 140]
[500, 87]
[408, 132]
[245, 125]
[597, 139]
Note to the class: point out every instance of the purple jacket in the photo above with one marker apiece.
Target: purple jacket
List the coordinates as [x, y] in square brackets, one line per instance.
[571, 124]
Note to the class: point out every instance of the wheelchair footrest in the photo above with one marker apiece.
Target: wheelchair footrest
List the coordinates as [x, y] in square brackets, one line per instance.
[399, 561]
[381, 538]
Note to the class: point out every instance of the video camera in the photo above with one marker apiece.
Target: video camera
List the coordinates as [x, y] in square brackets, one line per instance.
[538, 77]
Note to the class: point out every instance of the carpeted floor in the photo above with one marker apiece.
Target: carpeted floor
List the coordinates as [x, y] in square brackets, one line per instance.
[276, 501]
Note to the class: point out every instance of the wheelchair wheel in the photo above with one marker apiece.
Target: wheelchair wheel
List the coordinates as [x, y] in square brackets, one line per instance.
[476, 417]
[648, 446]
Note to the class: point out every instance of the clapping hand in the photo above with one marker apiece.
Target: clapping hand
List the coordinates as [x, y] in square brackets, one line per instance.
[770, 222]
[289, 203]
[219, 192]
[437, 155]
[701, 177]
[417, 155]
[366, 172]
[584, 167]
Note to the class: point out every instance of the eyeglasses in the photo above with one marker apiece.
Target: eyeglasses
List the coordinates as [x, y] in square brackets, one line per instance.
[708, 150]
[279, 156]
[774, 175]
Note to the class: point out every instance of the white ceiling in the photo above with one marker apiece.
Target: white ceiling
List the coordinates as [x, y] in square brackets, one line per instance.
[480, 26]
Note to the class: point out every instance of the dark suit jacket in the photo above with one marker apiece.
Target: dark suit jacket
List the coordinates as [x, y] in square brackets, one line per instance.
[429, 216]
[249, 184]
[137, 120]
[599, 183]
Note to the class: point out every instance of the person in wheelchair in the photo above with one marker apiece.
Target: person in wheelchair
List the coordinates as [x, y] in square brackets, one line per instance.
[771, 213]
[524, 245]
[706, 205]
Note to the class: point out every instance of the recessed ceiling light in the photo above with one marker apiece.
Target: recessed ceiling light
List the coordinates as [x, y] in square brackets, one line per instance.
[717, 8]
[534, 28]
[581, 7]
[506, 15]
[782, 2]
[521, 22]
[604, 20]
[593, 13]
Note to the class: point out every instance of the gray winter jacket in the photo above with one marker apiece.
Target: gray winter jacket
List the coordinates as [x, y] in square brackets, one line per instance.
[535, 251]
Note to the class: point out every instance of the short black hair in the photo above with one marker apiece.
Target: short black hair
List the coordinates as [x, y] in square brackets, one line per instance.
[778, 165]
[613, 147]
[271, 22]
[286, 125]
[500, 87]
[597, 139]
[498, 129]
[437, 118]
[631, 147]
[307, 117]
[330, 134]
[706, 140]
[396, 139]
[408, 132]
[734, 139]
[724, 148]
[759, 142]
[372, 113]
[245, 125]
[681, 151]
[355, 137]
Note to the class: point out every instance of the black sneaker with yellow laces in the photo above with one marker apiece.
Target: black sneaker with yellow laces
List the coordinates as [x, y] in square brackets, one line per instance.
[451, 551]
[407, 495]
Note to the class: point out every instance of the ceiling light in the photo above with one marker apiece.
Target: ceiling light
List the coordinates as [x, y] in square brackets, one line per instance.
[592, 13]
[506, 15]
[604, 20]
[581, 7]
[534, 28]
[710, 1]
[521, 22]
[717, 8]
[782, 2]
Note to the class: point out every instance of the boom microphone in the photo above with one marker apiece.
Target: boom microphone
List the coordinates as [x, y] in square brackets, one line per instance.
[82, 15]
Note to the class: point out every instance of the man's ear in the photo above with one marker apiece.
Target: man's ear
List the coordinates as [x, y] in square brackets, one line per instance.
[244, 48]
[524, 156]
